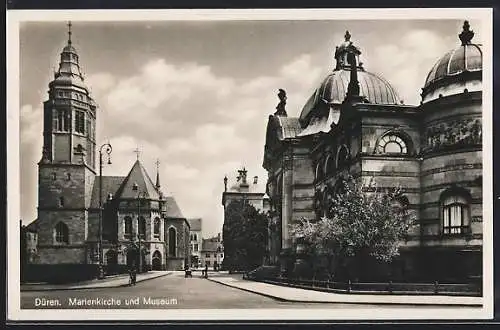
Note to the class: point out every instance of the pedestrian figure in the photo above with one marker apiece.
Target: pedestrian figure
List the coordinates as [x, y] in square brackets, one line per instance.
[206, 271]
[133, 276]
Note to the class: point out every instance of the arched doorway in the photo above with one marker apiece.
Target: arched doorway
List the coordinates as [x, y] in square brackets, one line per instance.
[111, 262]
[156, 260]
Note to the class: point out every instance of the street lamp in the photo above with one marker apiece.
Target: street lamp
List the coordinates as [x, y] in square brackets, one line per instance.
[140, 197]
[106, 147]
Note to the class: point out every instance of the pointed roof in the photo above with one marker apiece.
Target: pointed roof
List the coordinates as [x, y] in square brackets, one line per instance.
[110, 185]
[157, 185]
[173, 210]
[32, 226]
[195, 224]
[138, 176]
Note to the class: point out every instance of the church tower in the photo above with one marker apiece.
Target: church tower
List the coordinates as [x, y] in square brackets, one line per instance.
[66, 171]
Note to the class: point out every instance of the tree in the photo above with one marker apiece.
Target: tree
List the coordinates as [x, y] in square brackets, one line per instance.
[245, 236]
[361, 227]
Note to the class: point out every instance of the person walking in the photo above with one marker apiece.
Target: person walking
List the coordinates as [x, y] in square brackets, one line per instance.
[206, 271]
[132, 275]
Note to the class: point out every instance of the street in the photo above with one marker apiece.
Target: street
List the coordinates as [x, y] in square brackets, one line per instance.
[171, 291]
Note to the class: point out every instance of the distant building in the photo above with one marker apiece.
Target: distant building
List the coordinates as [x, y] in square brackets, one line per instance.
[212, 252]
[254, 192]
[196, 239]
[28, 247]
[241, 189]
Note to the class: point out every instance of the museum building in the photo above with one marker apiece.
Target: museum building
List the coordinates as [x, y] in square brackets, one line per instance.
[355, 124]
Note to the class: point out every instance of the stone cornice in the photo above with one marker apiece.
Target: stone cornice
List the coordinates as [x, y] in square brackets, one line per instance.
[51, 164]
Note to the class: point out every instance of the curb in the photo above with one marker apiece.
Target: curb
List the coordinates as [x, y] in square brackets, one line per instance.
[341, 302]
[93, 287]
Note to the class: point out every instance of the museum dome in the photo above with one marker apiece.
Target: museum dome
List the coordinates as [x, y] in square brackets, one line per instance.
[334, 86]
[377, 90]
[458, 67]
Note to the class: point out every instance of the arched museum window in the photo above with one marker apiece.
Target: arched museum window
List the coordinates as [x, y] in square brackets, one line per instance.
[456, 215]
[392, 144]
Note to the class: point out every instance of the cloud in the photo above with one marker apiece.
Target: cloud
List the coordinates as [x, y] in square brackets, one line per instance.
[199, 125]
[101, 82]
[31, 142]
[406, 62]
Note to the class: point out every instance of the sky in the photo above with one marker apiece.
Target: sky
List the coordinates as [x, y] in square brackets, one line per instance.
[197, 95]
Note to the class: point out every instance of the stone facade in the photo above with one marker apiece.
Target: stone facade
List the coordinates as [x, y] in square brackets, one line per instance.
[212, 253]
[72, 237]
[433, 152]
[196, 238]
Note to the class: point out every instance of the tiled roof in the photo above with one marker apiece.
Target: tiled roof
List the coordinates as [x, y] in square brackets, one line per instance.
[195, 224]
[173, 210]
[139, 176]
[110, 184]
[209, 245]
[321, 124]
[33, 226]
[289, 127]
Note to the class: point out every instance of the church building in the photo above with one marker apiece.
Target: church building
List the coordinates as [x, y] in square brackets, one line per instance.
[140, 227]
[355, 124]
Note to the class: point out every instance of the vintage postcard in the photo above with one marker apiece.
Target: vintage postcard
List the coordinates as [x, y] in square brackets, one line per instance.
[250, 165]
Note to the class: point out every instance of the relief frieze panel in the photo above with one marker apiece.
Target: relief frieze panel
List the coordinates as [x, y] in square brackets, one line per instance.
[455, 133]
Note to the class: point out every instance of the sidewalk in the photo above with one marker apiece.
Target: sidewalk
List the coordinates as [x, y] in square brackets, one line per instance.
[109, 282]
[311, 296]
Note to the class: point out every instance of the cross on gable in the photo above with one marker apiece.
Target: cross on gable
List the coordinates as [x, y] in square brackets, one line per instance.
[137, 151]
[157, 164]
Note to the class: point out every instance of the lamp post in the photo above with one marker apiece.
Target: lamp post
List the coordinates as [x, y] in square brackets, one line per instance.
[106, 147]
[140, 197]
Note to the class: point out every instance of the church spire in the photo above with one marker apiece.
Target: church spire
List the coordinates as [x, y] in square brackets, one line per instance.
[69, 65]
[158, 174]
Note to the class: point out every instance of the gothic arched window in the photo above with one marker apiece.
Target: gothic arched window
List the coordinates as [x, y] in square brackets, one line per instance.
[80, 122]
[128, 227]
[392, 144]
[157, 225]
[63, 120]
[142, 227]
[456, 214]
[172, 241]
[62, 233]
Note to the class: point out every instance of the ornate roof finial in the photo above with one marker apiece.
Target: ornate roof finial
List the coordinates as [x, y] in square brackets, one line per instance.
[280, 108]
[157, 174]
[69, 32]
[347, 36]
[225, 183]
[467, 34]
